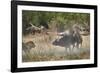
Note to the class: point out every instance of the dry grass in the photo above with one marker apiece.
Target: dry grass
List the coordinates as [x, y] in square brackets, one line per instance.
[45, 51]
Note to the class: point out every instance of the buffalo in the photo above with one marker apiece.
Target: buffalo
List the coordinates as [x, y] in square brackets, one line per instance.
[71, 38]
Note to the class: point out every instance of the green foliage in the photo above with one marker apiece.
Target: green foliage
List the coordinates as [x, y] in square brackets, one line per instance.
[59, 20]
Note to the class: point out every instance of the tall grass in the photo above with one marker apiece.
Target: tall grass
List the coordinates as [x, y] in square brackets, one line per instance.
[45, 51]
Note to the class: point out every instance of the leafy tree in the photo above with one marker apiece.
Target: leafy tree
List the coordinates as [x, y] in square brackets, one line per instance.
[54, 20]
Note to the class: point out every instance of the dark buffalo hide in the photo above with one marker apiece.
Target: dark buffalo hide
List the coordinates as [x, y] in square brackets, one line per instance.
[70, 38]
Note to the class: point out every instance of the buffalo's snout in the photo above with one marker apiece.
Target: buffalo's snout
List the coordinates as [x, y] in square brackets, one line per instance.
[56, 42]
